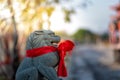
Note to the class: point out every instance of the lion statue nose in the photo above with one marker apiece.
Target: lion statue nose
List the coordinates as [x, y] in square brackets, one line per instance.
[55, 39]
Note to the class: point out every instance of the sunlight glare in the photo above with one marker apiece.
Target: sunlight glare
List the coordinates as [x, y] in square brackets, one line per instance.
[45, 25]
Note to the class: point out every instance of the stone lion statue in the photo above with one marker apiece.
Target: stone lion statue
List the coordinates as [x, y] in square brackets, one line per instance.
[39, 67]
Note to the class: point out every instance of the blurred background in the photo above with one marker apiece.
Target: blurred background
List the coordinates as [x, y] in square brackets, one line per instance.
[93, 25]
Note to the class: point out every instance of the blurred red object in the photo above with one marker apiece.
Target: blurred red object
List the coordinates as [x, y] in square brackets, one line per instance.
[116, 7]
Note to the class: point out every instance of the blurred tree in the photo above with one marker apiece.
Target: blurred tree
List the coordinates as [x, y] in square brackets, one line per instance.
[83, 35]
[105, 37]
[67, 14]
[35, 13]
[15, 52]
[31, 12]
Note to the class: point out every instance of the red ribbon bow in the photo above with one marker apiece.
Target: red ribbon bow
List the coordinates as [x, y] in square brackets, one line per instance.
[63, 48]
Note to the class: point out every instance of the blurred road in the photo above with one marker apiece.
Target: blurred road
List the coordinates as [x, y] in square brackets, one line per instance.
[91, 62]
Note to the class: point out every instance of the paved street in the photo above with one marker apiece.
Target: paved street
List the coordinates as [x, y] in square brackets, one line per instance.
[90, 62]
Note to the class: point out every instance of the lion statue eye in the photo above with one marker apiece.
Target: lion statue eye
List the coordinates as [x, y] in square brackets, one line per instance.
[51, 34]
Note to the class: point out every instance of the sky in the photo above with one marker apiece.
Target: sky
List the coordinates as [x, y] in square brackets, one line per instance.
[96, 17]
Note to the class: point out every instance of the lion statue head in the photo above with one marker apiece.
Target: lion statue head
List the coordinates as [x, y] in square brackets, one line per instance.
[42, 38]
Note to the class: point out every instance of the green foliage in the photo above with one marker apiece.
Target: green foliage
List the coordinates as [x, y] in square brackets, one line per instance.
[67, 14]
[49, 10]
[83, 35]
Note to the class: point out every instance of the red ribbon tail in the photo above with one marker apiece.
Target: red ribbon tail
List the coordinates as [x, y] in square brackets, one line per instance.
[62, 69]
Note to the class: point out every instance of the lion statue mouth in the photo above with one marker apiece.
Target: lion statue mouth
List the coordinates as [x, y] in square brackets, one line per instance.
[54, 44]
